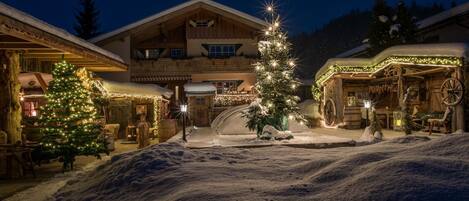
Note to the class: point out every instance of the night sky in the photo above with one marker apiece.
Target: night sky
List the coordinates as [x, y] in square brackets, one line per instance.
[299, 15]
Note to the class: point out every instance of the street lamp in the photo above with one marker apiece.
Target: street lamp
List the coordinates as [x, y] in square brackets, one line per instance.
[367, 104]
[184, 111]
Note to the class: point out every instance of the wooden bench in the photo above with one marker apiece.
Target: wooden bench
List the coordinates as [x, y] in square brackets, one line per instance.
[19, 153]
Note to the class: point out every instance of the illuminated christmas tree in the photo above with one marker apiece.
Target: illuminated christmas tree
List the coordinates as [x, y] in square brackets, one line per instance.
[276, 82]
[69, 119]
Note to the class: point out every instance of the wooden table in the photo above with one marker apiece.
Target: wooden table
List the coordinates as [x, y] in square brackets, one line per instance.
[386, 113]
[131, 133]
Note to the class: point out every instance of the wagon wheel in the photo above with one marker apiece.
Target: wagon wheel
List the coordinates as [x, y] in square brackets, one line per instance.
[452, 91]
[329, 113]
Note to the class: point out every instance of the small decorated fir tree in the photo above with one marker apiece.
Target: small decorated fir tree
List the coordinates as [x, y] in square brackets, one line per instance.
[276, 82]
[69, 118]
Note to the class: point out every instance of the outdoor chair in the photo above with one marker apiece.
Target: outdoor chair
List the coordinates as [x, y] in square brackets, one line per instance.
[440, 122]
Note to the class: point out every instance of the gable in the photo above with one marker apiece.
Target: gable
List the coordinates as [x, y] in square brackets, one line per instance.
[183, 10]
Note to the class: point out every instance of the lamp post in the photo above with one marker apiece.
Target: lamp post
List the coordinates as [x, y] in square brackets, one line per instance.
[184, 111]
[367, 104]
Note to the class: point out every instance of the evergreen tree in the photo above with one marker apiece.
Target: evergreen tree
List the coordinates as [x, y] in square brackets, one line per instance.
[453, 4]
[87, 20]
[379, 35]
[276, 82]
[406, 23]
[69, 117]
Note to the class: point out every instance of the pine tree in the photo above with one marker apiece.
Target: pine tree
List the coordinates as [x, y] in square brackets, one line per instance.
[87, 20]
[379, 35]
[69, 117]
[276, 82]
[407, 26]
[454, 3]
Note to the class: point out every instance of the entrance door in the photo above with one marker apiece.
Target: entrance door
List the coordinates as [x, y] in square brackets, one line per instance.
[200, 110]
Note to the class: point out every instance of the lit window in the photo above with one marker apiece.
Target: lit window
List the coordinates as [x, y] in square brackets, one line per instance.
[30, 108]
[226, 86]
[221, 50]
[176, 94]
[147, 53]
[152, 53]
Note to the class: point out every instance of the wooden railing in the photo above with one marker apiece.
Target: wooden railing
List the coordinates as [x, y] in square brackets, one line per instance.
[194, 65]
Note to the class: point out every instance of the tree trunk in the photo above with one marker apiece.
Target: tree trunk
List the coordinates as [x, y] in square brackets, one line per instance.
[10, 106]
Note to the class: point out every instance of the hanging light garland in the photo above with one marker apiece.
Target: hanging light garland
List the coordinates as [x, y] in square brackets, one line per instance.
[439, 61]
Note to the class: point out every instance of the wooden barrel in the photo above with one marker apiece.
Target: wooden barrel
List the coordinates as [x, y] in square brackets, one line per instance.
[352, 117]
[167, 129]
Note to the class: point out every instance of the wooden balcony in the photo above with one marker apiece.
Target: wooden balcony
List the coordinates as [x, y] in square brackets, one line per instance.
[193, 65]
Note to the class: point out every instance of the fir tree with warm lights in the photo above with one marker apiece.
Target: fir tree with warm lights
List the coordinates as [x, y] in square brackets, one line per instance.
[276, 82]
[69, 119]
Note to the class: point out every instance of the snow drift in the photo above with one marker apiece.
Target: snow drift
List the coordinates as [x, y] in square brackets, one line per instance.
[409, 168]
[232, 122]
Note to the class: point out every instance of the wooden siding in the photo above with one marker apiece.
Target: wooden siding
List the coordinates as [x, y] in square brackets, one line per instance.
[194, 65]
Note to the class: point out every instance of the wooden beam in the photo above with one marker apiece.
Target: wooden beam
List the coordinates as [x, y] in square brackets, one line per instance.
[41, 82]
[436, 70]
[51, 56]
[8, 38]
[10, 107]
[20, 46]
[48, 51]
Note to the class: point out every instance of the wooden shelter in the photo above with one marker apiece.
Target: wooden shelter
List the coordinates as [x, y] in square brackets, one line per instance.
[28, 44]
[437, 75]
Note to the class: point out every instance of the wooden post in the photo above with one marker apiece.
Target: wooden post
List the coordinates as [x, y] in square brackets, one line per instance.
[339, 100]
[10, 106]
[400, 88]
[458, 115]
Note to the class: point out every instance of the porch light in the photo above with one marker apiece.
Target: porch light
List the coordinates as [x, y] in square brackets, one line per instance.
[183, 108]
[367, 104]
[184, 111]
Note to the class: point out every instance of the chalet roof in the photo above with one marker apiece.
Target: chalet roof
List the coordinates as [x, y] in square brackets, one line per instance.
[134, 89]
[441, 50]
[450, 13]
[189, 3]
[30, 33]
[425, 23]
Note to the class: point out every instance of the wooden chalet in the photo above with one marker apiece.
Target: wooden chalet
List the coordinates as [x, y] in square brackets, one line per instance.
[437, 74]
[197, 41]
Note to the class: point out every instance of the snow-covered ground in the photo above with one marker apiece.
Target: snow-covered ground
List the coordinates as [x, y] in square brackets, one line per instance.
[409, 168]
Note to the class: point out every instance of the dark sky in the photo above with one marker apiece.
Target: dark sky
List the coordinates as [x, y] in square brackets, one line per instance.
[300, 15]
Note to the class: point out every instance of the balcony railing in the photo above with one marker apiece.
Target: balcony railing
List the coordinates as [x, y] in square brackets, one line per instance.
[194, 65]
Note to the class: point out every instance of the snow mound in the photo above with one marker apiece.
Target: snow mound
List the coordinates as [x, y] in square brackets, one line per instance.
[410, 168]
[232, 122]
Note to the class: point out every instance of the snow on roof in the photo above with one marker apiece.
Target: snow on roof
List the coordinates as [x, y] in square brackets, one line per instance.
[29, 80]
[134, 89]
[202, 87]
[39, 24]
[460, 50]
[458, 10]
[174, 9]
